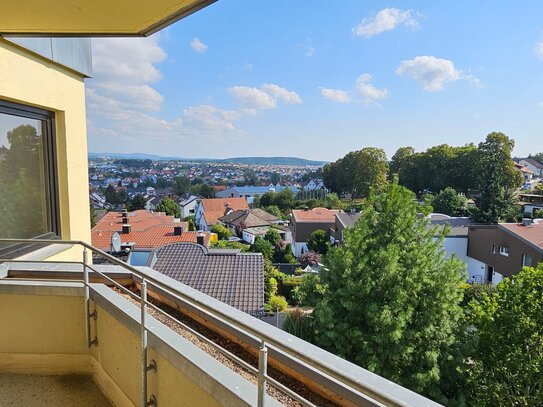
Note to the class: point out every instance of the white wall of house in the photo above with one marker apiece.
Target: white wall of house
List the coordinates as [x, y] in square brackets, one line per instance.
[248, 237]
[537, 171]
[188, 209]
[475, 269]
[199, 218]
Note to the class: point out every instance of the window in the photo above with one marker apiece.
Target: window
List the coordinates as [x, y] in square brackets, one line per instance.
[28, 197]
[526, 261]
[493, 250]
[504, 251]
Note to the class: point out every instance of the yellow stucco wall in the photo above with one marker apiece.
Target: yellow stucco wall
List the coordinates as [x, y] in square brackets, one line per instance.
[29, 79]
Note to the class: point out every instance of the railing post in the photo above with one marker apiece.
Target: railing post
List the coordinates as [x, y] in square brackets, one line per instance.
[262, 371]
[88, 314]
[144, 367]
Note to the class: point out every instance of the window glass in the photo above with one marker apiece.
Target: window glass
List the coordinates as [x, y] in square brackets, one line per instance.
[27, 204]
[526, 260]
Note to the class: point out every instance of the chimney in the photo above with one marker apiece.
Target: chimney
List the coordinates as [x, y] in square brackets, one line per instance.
[125, 221]
[178, 230]
[526, 222]
[126, 228]
[200, 239]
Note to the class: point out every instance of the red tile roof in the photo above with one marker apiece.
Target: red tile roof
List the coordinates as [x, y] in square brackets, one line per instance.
[148, 230]
[216, 207]
[532, 234]
[314, 215]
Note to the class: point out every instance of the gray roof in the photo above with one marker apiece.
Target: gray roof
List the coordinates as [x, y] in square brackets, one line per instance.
[188, 200]
[458, 226]
[347, 219]
[234, 278]
[535, 163]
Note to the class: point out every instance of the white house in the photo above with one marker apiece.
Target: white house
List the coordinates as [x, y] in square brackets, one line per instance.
[533, 165]
[188, 206]
[315, 184]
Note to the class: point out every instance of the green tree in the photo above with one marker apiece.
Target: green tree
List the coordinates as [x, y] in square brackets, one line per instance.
[506, 369]
[391, 298]
[92, 216]
[497, 180]
[136, 202]
[450, 203]
[275, 211]
[284, 199]
[332, 201]
[222, 231]
[272, 236]
[277, 303]
[203, 190]
[400, 160]
[181, 185]
[275, 178]
[262, 246]
[111, 195]
[319, 241]
[168, 206]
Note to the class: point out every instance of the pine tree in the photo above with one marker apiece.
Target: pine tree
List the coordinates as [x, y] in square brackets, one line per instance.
[391, 298]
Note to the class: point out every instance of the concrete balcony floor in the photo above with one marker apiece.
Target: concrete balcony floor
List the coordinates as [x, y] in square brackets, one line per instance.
[19, 390]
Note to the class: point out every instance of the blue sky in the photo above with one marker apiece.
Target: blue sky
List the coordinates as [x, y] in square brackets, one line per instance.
[317, 79]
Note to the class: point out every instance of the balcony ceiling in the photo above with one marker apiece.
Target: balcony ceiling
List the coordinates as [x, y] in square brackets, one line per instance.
[93, 17]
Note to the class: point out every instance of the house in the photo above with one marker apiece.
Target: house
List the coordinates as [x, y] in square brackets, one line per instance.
[238, 221]
[304, 222]
[506, 247]
[250, 234]
[152, 202]
[187, 205]
[143, 230]
[315, 184]
[343, 221]
[208, 211]
[533, 165]
[234, 278]
[252, 192]
[456, 242]
[530, 203]
[527, 175]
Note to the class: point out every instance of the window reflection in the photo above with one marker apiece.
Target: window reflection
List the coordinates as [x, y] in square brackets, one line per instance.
[23, 189]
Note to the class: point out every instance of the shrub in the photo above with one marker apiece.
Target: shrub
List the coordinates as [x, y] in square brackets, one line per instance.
[310, 258]
[223, 232]
[276, 303]
[299, 324]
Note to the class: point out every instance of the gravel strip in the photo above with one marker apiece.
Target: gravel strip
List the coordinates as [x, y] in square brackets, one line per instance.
[237, 350]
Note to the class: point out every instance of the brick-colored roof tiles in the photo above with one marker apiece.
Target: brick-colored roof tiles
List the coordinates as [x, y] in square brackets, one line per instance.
[314, 215]
[214, 208]
[148, 230]
[532, 234]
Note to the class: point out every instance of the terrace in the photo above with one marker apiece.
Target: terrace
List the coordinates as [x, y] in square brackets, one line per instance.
[108, 323]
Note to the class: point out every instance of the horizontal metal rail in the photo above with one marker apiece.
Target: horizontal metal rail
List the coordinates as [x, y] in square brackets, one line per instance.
[371, 394]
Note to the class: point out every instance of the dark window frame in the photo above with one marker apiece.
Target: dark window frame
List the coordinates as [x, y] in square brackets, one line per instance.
[49, 138]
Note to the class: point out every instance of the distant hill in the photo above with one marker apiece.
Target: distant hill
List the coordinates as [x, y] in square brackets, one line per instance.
[235, 160]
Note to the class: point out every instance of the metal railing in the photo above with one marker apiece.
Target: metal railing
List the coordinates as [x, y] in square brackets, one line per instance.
[372, 395]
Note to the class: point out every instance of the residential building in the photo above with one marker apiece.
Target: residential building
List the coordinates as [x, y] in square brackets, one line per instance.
[506, 248]
[530, 203]
[456, 242]
[238, 221]
[208, 211]
[315, 184]
[250, 234]
[234, 278]
[250, 193]
[304, 222]
[527, 175]
[343, 220]
[187, 205]
[533, 165]
[143, 230]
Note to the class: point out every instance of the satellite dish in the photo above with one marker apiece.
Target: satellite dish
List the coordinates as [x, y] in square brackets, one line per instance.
[116, 242]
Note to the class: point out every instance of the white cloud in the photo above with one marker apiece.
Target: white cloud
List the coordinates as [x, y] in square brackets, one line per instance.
[264, 98]
[367, 90]
[279, 93]
[539, 49]
[431, 73]
[129, 60]
[310, 51]
[252, 97]
[198, 45]
[336, 95]
[385, 20]
[363, 92]
[540, 104]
